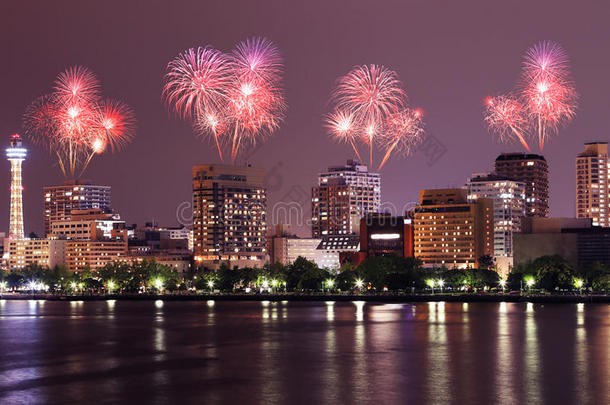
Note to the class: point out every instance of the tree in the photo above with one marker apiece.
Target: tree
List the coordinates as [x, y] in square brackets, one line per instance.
[553, 272]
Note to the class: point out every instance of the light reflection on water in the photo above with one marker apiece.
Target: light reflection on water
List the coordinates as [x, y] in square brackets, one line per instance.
[339, 352]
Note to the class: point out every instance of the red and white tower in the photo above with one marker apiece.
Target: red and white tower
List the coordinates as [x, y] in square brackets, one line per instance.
[16, 154]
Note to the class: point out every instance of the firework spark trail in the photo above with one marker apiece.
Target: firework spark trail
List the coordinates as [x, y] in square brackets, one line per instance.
[235, 98]
[404, 131]
[367, 100]
[74, 123]
[545, 99]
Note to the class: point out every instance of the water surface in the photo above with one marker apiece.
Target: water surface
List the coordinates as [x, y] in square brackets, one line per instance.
[303, 352]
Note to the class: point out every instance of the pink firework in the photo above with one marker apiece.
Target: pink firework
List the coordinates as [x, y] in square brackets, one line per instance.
[74, 123]
[544, 101]
[341, 126]
[506, 117]
[235, 99]
[372, 98]
[404, 131]
[197, 80]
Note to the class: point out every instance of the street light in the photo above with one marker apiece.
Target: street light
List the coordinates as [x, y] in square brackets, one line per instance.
[2, 286]
[430, 283]
[211, 284]
[441, 283]
[503, 285]
[158, 283]
[330, 283]
[529, 282]
[111, 286]
[578, 283]
[359, 283]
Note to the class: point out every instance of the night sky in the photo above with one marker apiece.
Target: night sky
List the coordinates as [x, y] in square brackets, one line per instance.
[449, 54]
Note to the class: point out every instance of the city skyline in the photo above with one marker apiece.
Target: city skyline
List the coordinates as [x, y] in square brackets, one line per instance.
[431, 84]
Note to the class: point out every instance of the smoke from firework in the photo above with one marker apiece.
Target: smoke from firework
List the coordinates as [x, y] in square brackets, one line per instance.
[74, 123]
[235, 99]
[371, 108]
[544, 101]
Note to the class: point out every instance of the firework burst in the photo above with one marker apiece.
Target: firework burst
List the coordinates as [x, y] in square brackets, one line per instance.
[74, 123]
[545, 99]
[371, 108]
[241, 101]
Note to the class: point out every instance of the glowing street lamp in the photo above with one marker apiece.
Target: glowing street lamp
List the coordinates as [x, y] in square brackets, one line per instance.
[359, 283]
[330, 283]
[503, 285]
[578, 283]
[3, 286]
[441, 283]
[158, 283]
[529, 282]
[211, 284]
[430, 282]
[111, 286]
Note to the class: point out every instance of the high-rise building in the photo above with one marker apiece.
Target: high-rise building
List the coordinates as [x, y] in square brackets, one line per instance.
[90, 224]
[509, 207]
[43, 252]
[593, 184]
[451, 231]
[59, 201]
[16, 154]
[344, 195]
[533, 171]
[229, 215]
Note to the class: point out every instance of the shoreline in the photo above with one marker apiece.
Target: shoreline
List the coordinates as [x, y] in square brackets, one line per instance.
[402, 298]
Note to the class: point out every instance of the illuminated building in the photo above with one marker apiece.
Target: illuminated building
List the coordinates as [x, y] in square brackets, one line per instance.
[509, 207]
[43, 252]
[16, 154]
[59, 201]
[382, 235]
[87, 225]
[344, 194]
[332, 247]
[533, 171]
[229, 215]
[93, 254]
[450, 231]
[285, 248]
[593, 184]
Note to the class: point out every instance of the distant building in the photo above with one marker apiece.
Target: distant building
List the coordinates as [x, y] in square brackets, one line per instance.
[181, 262]
[382, 235]
[344, 194]
[43, 252]
[577, 240]
[93, 254]
[593, 184]
[533, 171]
[91, 224]
[332, 247]
[451, 231]
[509, 207]
[229, 215]
[59, 201]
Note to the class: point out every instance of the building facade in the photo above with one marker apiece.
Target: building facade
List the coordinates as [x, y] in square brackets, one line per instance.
[450, 231]
[93, 254]
[508, 198]
[229, 215]
[344, 194]
[531, 170]
[43, 252]
[575, 239]
[593, 184]
[59, 201]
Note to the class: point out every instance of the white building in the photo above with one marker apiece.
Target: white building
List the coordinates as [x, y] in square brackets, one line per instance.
[509, 206]
[286, 249]
[593, 184]
[331, 246]
[344, 194]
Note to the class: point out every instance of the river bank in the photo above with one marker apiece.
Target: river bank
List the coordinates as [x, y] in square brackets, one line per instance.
[535, 298]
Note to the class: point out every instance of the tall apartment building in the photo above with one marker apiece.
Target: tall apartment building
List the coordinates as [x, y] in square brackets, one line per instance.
[229, 215]
[593, 184]
[533, 171]
[451, 231]
[344, 194]
[508, 198]
[59, 201]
